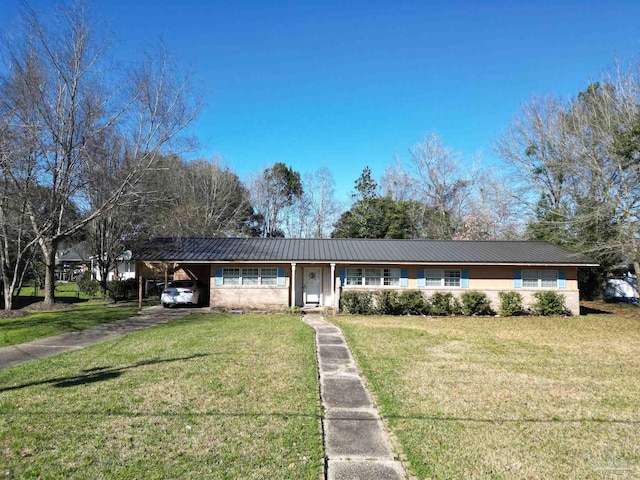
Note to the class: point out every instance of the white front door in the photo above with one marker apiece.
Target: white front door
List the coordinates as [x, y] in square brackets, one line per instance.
[312, 286]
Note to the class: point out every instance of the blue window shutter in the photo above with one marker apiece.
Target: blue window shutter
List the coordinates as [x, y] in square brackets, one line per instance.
[342, 273]
[217, 277]
[562, 279]
[517, 279]
[404, 277]
[281, 277]
[420, 280]
[464, 278]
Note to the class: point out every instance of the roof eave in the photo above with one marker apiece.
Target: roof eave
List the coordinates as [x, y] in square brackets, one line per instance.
[376, 262]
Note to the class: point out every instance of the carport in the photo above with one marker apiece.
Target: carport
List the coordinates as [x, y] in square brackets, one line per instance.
[152, 273]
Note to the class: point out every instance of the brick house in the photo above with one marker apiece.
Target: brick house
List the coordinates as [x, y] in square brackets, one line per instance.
[276, 273]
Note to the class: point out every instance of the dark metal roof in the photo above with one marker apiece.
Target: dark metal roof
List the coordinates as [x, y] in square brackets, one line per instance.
[345, 250]
[77, 253]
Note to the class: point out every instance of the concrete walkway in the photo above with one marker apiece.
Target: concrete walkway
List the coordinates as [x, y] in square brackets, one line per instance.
[46, 347]
[356, 443]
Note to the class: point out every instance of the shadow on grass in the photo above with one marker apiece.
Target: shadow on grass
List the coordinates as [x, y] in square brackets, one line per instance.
[584, 310]
[27, 322]
[22, 302]
[98, 374]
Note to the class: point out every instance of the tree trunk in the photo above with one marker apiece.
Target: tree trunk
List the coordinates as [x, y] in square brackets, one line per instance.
[49, 256]
[8, 296]
[104, 272]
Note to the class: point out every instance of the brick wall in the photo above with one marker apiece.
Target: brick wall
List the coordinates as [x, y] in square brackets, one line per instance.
[571, 297]
[251, 298]
[491, 281]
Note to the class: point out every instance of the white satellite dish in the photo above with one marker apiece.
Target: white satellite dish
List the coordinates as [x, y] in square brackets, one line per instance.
[126, 255]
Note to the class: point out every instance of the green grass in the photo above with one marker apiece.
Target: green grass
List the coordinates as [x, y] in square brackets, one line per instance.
[63, 290]
[208, 396]
[47, 323]
[507, 397]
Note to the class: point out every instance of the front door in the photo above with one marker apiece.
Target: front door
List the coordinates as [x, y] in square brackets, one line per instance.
[312, 286]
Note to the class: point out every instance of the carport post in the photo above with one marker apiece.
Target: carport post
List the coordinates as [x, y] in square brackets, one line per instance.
[333, 284]
[293, 284]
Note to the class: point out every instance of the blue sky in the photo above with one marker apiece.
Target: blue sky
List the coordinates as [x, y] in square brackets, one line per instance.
[352, 84]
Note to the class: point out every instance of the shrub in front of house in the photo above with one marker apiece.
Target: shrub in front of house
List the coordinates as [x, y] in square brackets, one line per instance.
[475, 303]
[510, 304]
[387, 302]
[549, 303]
[444, 303]
[88, 287]
[413, 302]
[357, 303]
[123, 289]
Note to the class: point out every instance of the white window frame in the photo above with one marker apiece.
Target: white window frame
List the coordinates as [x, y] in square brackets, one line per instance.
[250, 276]
[269, 280]
[230, 278]
[391, 277]
[246, 276]
[354, 276]
[443, 277]
[373, 277]
[534, 278]
[452, 277]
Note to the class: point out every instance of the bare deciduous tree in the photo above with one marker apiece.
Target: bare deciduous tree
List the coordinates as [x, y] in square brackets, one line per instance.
[273, 191]
[578, 160]
[59, 98]
[209, 200]
[296, 218]
[533, 147]
[431, 177]
[17, 247]
[319, 188]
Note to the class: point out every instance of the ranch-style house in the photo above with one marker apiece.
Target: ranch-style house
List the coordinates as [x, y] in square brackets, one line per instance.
[276, 273]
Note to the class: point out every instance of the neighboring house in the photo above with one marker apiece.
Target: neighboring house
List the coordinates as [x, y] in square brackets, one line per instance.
[71, 262]
[74, 261]
[276, 273]
[123, 270]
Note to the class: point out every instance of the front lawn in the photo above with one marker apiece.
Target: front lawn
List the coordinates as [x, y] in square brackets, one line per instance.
[48, 323]
[498, 398]
[207, 396]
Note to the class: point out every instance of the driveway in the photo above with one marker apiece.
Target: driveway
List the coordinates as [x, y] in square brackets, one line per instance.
[46, 347]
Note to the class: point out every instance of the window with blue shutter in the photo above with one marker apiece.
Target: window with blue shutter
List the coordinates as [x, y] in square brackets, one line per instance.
[464, 278]
[342, 273]
[517, 279]
[562, 279]
[281, 277]
[420, 281]
[217, 277]
[404, 277]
